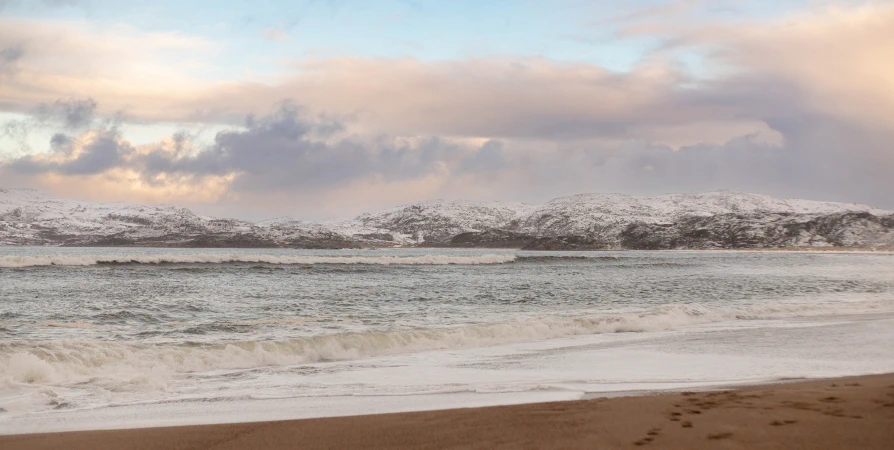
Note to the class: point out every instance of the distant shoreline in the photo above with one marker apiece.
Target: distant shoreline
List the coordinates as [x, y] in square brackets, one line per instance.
[826, 249]
[852, 412]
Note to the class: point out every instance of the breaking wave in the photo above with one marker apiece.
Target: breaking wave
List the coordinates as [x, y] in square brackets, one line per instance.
[128, 363]
[54, 362]
[38, 261]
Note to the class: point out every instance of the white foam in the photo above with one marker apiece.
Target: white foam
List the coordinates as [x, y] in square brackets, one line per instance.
[66, 361]
[120, 362]
[28, 368]
[557, 369]
[199, 258]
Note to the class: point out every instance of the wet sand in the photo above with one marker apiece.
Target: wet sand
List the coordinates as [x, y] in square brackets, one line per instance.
[846, 413]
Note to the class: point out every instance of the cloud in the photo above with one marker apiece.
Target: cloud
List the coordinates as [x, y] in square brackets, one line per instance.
[274, 34]
[71, 113]
[800, 107]
[488, 159]
[835, 58]
[285, 151]
[808, 163]
[9, 56]
[752, 70]
[97, 152]
[123, 68]
[291, 160]
[68, 114]
[832, 62]
[662, 10]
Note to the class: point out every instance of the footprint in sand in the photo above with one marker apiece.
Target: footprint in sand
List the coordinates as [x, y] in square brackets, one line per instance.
[840, 413]
[720, 436]
[686, 424]
[801, 405]
[707, 404]
[779, 423]
[650, 436]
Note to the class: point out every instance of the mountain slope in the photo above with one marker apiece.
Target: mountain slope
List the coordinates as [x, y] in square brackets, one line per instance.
[586, 221]
[433, 221]
[721, 219]
[28, 217]
[586, 213]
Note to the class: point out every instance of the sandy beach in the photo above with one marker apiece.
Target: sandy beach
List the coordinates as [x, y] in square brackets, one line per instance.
[845, 413]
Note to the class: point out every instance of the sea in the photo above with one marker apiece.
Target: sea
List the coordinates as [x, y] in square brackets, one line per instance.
[98, 338]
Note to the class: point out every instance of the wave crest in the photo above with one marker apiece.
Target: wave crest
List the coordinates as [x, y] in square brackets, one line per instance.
[65, 361]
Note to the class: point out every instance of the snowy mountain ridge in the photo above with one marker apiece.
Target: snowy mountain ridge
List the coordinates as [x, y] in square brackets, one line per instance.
[28, 217]
[723, 219]
[578, 213]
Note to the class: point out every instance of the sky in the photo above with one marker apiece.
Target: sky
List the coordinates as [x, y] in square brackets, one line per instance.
[329, 108]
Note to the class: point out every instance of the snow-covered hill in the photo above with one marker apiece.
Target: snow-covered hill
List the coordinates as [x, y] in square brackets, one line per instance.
[28, 217]
[587, 221]
[434, 221]
[624, 221]
[588, 213]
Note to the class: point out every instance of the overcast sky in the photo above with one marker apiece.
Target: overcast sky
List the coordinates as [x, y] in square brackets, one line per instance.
[324, 108]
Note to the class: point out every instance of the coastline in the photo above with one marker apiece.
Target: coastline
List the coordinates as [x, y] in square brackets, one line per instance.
[850, 412]
[805, 249]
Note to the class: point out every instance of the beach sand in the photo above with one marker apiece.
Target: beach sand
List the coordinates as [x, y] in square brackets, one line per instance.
[845, 413]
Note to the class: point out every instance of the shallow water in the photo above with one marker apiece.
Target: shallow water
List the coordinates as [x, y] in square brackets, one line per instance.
[298, 333]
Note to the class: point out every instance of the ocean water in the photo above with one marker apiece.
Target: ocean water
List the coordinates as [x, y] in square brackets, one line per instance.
[126, 337]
